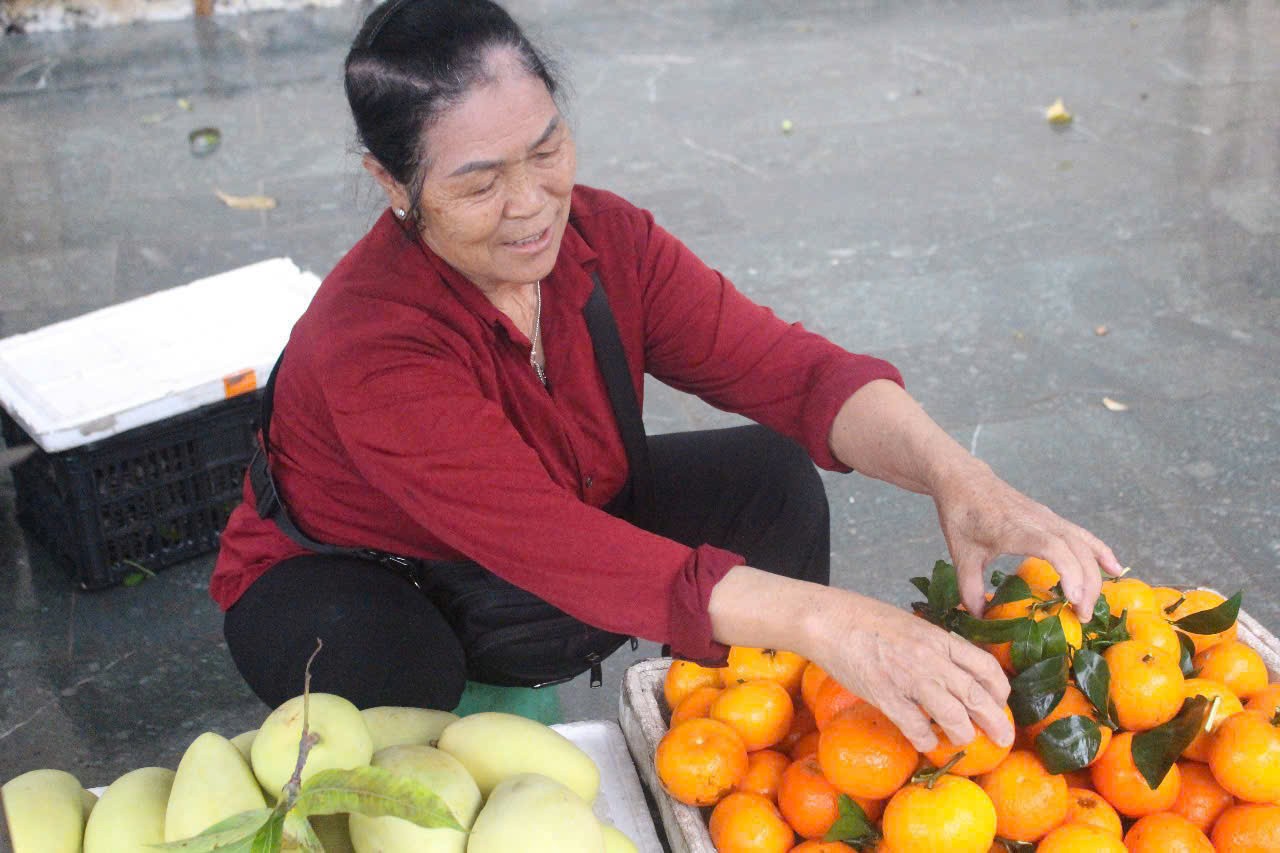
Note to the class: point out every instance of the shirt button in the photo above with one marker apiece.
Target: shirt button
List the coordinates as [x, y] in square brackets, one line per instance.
[589, 481]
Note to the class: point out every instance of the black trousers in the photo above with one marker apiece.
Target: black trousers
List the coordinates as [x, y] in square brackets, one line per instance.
[745, 489]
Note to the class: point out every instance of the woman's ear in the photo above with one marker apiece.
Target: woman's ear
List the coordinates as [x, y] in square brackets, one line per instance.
[396, 195]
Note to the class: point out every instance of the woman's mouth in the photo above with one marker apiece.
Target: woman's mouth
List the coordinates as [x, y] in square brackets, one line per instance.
[531, 243]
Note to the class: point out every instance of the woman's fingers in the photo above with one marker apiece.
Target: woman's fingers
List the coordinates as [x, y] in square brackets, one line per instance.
[981, 667]
[969, 571]
[947, 711]
[909, 719]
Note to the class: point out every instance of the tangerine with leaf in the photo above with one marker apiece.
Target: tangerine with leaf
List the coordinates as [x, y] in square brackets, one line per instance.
[1145, 688]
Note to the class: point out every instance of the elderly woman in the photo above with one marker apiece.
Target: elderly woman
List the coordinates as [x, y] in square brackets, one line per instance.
[454, 481]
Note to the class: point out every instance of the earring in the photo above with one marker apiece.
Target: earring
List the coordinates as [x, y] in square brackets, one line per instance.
[400, 212]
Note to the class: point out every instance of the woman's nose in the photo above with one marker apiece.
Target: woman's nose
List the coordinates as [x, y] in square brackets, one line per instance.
[525, 195]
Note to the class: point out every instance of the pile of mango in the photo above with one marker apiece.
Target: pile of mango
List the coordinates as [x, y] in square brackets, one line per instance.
[382, 779]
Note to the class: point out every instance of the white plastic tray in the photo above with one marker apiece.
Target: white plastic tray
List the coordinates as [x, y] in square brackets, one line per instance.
[138, 362]
[644, 722]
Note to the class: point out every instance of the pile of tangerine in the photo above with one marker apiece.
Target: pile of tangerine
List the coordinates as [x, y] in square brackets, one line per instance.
[769, 745]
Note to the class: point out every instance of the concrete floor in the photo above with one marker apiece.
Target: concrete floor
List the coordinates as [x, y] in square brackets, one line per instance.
[922, 209]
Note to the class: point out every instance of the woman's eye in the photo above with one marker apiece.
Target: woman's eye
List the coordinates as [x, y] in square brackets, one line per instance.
[547, 155]
[481, 190]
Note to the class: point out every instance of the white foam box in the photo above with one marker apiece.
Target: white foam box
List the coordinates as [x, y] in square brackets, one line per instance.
[148, 359]
[642, 713]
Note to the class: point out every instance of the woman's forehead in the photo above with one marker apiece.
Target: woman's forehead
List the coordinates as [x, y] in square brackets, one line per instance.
[499, 119]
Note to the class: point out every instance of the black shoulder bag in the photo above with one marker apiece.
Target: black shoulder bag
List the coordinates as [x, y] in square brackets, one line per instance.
[510, 636]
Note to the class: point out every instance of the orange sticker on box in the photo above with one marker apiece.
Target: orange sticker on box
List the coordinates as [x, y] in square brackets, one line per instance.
[235, 384]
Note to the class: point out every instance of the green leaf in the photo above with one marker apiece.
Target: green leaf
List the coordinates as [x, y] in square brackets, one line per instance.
[299, 834]
[1069, 744]
[851, 825]
[1045, 639]
[977, 630]
[1037, 690]
[1013, 588]
[944, 588]
[232, 835]
[133, 579]
[374, 792]
[1186, 655]
[997, 578]
[1104, 629]
[921, 584]
[1093, 677]
[1215, 620]
[1155, 750]
[269, 837]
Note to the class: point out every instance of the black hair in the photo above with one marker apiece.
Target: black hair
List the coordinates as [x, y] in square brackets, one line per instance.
[414, 59]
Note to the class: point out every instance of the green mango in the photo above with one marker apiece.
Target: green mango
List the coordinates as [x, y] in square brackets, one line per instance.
[213, 783]
[440, 773]
[533, 813]
[393, 726]
[44, 810]
[129, 817]
[494, 746]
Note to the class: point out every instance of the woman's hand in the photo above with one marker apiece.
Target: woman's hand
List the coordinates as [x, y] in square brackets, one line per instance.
[983, 517]
[912, 671]
[908, 668]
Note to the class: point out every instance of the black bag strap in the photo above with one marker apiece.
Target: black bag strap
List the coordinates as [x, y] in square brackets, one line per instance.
[612, 361]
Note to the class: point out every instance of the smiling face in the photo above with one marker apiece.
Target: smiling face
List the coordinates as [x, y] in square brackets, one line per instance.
[499, 175]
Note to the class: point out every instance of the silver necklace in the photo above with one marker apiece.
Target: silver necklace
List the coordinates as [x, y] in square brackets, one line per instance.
[537, 335]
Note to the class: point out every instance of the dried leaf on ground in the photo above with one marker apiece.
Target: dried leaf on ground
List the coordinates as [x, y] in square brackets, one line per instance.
[246, 202]
[1057, 114]
[1114, 405]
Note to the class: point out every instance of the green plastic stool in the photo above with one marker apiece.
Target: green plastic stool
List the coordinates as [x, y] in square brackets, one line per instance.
[541, 703]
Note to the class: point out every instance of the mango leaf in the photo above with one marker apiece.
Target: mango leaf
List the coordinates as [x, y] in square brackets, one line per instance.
[1155, 750]
[1069, 743]
[1215, 620]
[1037, 690]
[232, 835]
[1013, 588]
[299, 834]
[1186, 655]
[1045, 639]
[1093, 677]
[374, 792]
[268, 838]
[851, 825]
[977, 630]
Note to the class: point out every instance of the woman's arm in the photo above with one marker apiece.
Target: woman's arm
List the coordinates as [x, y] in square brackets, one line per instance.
[882, 432]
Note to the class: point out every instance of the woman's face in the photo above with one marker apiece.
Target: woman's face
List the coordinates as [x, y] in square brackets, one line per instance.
[500, 171]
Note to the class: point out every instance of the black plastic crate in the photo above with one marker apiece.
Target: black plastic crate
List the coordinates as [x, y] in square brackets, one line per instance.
[150, 497]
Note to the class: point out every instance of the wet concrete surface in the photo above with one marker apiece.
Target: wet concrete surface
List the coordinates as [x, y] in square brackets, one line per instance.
[921, 208]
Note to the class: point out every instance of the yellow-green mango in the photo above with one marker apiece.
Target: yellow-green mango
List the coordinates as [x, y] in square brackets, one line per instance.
[344, 740]
[44, 810]
[244, 743]
[333, 833]
[213, 783]
[533, 813]
[129, 817]
[617, 841]
[392, 726]
[494, 746]
[440, 773]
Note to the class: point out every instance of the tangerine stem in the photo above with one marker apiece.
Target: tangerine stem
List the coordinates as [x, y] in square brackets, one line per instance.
[1275, 719]
[929, 777]
[1211, 720]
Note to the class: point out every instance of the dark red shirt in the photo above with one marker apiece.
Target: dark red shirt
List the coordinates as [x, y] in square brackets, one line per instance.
[408, 419]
